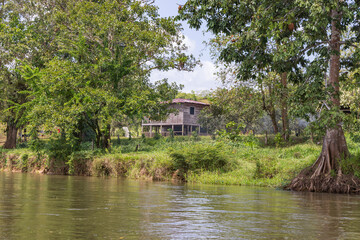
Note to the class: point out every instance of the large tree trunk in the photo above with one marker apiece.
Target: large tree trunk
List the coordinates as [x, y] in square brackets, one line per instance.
[334, 143]
[325, 174]
[103, 137]
[11, 135]
[270, 108]
[272, 115]
[107, 137]
[333, 150]
[284, 111]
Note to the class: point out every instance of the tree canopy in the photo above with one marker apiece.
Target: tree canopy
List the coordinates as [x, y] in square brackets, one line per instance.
[90, 62]
[300, 38]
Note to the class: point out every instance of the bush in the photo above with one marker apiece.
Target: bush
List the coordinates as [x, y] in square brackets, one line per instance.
[250, 141]
[351, 165]
[355, 137]
[157, 136]
[195, 136]
[24, 162]
[171, 136]
[265, 168]
[102, 167]
[279, 141]
[58, 149]
[78, 163]
[198, 156]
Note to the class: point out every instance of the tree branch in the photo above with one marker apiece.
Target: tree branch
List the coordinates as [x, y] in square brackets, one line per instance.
[348, 43]
[308, 48]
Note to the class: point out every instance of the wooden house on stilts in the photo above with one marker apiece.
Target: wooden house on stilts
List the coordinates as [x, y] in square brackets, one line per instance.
[183, 122]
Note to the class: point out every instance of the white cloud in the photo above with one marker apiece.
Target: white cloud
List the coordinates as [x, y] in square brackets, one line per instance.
[190, 44]
[202, 78]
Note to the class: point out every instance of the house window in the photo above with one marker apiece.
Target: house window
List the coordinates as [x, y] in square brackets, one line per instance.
[192, 110]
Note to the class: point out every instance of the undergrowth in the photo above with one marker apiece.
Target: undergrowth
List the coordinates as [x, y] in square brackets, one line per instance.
[246, 161]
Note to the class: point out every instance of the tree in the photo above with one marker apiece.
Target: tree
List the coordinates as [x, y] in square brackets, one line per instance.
[105, 52]
[269, 98]
[240, 105]
[16, 47]
[265, 50]
[315, 28]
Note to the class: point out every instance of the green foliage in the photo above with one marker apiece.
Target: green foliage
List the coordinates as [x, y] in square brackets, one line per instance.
[199, 156]
[351, 165]
[266, 168]
[78, 163]
[24, 162]
[232, 132]
[102, 168]
[355, 136]
[195, 136]
[205, 161]
[238, 105]
[279, 141]
[190, 96]
[58, 149]
[260, 37]
[352, 126]
[67, 72]
[157, 136]
[171, 134]
[251, 141]
[233, 135]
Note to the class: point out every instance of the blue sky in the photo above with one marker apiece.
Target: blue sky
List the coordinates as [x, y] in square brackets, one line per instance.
[202, 78]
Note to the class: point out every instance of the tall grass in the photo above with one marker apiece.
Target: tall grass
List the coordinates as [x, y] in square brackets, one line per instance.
[203, 161]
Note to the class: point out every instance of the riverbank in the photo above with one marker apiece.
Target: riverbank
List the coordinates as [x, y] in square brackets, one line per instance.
[180, 159]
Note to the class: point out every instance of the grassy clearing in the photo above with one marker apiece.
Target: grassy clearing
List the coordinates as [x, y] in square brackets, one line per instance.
[261, 166]
[181, 158]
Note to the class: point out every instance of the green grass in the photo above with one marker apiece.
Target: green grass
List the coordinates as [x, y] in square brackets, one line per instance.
[205, 161]
[260, 166]
[257, 166]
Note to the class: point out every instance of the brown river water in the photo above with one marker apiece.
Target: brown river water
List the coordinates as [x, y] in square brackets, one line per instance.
[66, 207]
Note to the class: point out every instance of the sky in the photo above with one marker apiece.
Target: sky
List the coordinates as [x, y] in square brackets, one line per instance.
[202, 78]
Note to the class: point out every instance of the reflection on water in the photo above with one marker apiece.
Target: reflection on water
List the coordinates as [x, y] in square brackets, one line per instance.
[58, 207]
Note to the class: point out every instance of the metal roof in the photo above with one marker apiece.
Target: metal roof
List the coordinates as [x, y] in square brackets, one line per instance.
[181, 100]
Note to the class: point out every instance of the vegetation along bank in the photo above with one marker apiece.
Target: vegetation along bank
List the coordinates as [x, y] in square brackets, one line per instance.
[191, 159]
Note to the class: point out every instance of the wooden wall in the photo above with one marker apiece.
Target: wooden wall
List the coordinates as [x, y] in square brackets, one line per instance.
[181, 117]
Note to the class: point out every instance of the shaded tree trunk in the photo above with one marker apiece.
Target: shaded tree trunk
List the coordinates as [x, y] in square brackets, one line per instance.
[284, 111]
[272, 115]
[107, 137]
[98, 135]
[11, 135]
[25, 135]
[102, 136]
[270, 108]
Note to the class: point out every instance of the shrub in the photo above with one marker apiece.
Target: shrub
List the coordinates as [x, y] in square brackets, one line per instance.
[78, 163]
[179, 160]
[102, 167]
[355, 137]
[250, 141]
[195, 136]
[24, 162]
[157, 136]
[279, 141]
[58, 149]
[171, 136]
[351, 165]
[198, 156]
[265, 168]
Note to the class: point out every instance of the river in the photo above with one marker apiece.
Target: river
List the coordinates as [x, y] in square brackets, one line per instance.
[66, 207]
